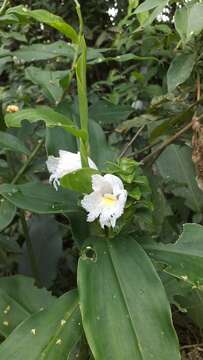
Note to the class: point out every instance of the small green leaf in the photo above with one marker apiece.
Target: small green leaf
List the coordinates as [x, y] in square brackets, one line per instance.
[124, 308]
[195, 23]
[46, 114]
[44, 16]
[180, 70]
[181, 22]
[49, 334]
[12, 143]
[39, 198]
[7, 213]
[148, 5]
[184, 259]
[80, 180]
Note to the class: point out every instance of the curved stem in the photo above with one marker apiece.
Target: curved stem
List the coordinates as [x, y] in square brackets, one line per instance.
[27, 163]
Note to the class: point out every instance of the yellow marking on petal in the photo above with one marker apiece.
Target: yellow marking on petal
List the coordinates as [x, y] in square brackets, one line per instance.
[109, 199]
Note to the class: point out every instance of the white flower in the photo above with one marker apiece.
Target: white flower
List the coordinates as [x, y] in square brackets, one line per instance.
[107, 201]
[66, 163]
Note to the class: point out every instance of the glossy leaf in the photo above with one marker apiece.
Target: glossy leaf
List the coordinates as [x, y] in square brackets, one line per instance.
[19, 299]
[49, 334]
[7, 213]
[48, 18]
[175, 164]
[80, 180]
[124, 308]
[180, 70]
[12, 143]
[46, 114]
[184, 259]
[39, 198]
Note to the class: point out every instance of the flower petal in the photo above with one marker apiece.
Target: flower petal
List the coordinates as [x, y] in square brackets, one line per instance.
[92, 204]
[101, 185]
[52, 163]
[115, 182]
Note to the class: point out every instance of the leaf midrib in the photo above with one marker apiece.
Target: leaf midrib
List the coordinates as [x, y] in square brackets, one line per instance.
[124, 299]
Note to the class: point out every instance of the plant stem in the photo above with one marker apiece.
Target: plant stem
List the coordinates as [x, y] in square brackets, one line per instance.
[131, 141]
[157, 152]
[27, 163]
[3, 7]
[30, 250]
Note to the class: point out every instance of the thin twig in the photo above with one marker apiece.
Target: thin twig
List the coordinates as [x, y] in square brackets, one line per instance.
[198, 84]
[30, 250]
[27, 163]
[157, 152]
[131, 141]
[3, 6]
[191, 346]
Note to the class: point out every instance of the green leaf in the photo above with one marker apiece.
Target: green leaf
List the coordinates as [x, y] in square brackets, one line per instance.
[180, 69]
[19, 299]
[80, 180]
[39, 198]
[97, 142]
[11, 142]
[195, 23]
[175, 164]
[107, 113]
[7, 213]
[46, 237]
[49, 81]
[181, 22]
[57, 139]
[39, 52]
[184, 259]
[46, 114]
[44, 16]
[49, 334]
[124, 308]
[148, 5]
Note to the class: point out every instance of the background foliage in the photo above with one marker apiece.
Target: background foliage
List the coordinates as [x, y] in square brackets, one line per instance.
[144, 75]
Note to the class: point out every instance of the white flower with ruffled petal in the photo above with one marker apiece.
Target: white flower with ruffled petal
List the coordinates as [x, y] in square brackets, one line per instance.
[107, 201]
[66, 163]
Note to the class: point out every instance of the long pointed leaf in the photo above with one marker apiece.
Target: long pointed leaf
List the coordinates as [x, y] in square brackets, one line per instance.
[46, 114]
[49, 334]
[124, 308]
